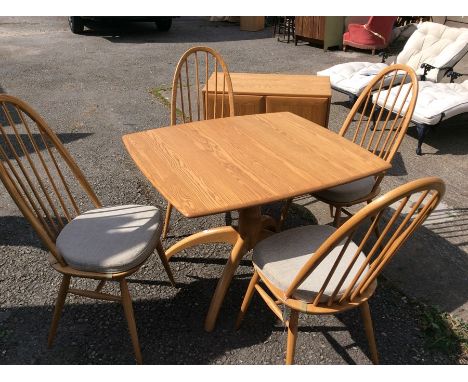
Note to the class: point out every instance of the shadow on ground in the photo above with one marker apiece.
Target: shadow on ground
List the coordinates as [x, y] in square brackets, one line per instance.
[184, 29]
[12, 139]
[170, 321]
[428, 267]
[171, 332]
[448, 137]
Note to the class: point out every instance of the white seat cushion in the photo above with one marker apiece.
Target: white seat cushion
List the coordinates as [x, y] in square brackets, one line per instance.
[281, 256]
[352, 77]
[434, 100]
[111, 239]
[349, 192]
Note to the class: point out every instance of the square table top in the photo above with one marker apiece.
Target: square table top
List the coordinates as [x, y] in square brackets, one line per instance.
[287, 85]
[220, 165]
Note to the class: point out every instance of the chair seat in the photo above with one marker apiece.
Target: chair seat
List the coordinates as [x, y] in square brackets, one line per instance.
[352, 77]
[281, 256]
[349, 192]
[436, 101]
[111, 239]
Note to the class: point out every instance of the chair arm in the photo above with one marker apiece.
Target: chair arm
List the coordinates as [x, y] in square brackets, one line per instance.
[426, 68]
[454, 75]
[384, 56]
[378, 35]
[354, 27]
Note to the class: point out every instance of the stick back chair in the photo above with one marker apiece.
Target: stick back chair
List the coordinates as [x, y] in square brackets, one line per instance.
[324, 270]
[53, 194]
[192, 97]
[379, 129]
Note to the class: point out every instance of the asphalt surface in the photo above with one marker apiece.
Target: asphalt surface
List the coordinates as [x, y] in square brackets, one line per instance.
[94, 88]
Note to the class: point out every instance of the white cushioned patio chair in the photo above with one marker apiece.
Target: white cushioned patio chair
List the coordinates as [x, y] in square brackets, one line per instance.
[318, 269]
[102, 243]
[431, 51]
[437, 102]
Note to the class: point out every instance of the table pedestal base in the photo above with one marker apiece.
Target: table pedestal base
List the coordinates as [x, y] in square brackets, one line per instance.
[253, 227]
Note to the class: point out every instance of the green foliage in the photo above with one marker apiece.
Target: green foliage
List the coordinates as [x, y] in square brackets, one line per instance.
[159, 92]
[445, 333]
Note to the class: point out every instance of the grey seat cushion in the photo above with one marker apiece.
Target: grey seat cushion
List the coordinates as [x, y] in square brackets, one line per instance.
[111, 239]
[281, 256]
[350, 191]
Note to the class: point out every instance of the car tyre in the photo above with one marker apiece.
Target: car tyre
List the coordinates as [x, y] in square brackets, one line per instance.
[76, 24]
[164, 24]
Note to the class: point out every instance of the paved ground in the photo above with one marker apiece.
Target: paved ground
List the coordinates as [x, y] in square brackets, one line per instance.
[94, 88]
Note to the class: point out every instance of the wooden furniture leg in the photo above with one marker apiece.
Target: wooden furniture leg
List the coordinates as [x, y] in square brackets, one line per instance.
[247, 298]
[292, 336]
[162, 256]
[225, 234]
[250, 227]
[284, 213]
[128, 309]
[337, 219]
[366, 317]
[376, 229]
[58, 308]
[167, 220]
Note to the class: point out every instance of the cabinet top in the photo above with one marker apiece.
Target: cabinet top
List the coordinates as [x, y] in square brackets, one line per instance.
[275, 84]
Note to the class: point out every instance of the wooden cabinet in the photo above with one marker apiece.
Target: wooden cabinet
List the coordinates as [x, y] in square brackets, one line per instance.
[243, 105]
[314, 109]
[255, 93]
[252, 23]
[326, 30]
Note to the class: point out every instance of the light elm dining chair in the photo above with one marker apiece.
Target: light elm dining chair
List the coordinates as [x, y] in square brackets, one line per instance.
[318, 269]
[193, 99]
[102, 243]
[378, 124]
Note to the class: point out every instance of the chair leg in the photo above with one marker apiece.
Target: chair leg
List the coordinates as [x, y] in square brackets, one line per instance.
[366, 317]
[376, 228]
[167, 220]
[128, 310]
[422, 131]
[58, 308]
[284, 213]
[247, 298]
[337, 219]
[292, 337]
[167, 267]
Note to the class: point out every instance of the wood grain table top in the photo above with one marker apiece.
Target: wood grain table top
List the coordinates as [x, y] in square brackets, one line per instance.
[226, 164]
[290, 85]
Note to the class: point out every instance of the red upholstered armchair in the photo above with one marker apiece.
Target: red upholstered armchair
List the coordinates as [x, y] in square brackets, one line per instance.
[375, 34]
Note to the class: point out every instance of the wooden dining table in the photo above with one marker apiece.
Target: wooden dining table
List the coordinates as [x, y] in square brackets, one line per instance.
[241, 163]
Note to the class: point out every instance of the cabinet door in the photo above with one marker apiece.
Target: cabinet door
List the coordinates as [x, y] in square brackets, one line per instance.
[298, 25]
[311, 27]
[313, 109]
[243, 105]
[249, 104]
